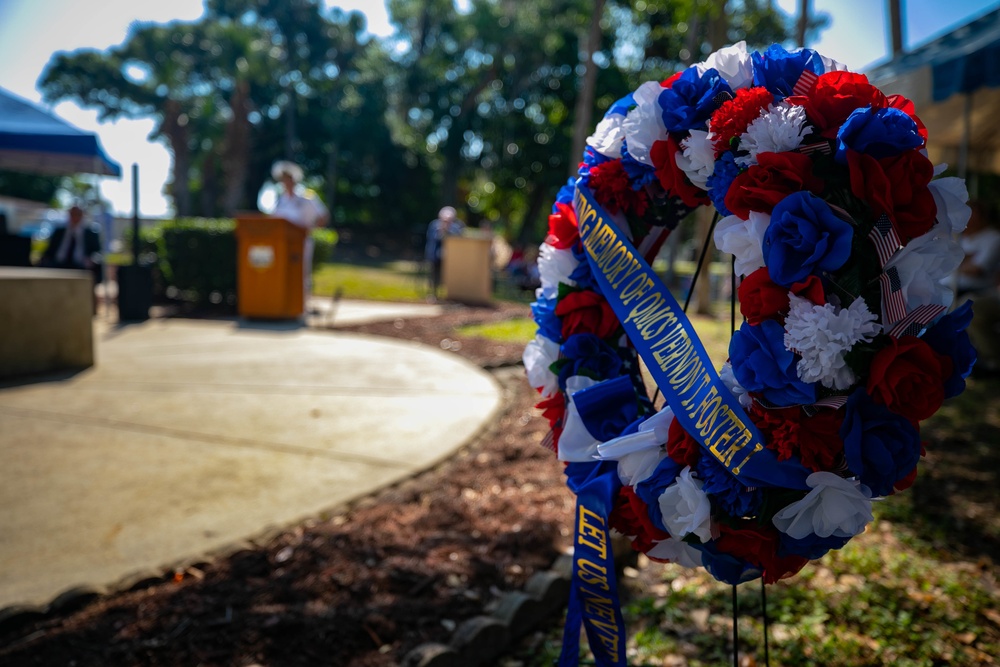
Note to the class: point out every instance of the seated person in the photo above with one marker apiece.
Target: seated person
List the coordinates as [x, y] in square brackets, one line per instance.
[74, 246]
[981, 243]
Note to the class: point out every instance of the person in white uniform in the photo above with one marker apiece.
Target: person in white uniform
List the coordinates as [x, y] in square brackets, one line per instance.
[300, 208]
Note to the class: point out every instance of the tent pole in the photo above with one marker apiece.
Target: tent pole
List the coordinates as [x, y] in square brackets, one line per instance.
[135, 214]
[963, 148]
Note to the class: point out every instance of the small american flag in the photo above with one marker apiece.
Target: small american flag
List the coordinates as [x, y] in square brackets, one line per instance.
[549, 442]
[915, 320]
[821, 147]
[884, 236]
[834, 402]
[893, 304]
[805, 83]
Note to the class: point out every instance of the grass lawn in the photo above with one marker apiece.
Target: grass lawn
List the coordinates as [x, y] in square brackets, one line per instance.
[390, 281]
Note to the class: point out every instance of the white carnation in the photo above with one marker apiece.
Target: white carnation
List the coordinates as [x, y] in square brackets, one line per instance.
[538, 355]
[576, 443]
[744, 240]
[781, 128]
[686, 508]
[823, 335]
[834, 507]
[608, 136]
[733, 63]
[555, 266]
[644, 123]
[697, 157]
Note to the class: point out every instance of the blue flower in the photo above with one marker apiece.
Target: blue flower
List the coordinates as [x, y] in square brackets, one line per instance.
[726, 490]
[690, 102]
[622, 106]
[779, 70]
[639, 174]
[565, 194]
[544, 312]
[651, 488]
[583, 275]
[586, 354]
[727, 569]
[881, 447]
[811, 547]
[579, 474]
[722, 177]
[949, 337]
[879, 133]
[805, 237]
[608, 409]
[761, 364]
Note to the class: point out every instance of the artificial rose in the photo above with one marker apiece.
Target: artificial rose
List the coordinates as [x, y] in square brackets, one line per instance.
[775, 176]
[805, 237]
[815, 438]
[725, 490]
[925, 265]
[672, 177]
[644, 124]
[763, 365]
[880, 446]
[758, 545]
[681, 445]
[733, 63]
[586, 354]
[685, 508]
[761, 299]
[897, 187]
[585, 311]
[949, 337]
[563, 230]
[906, 106]
[907, 376]
[835, 97]
[689, 102]
[638, 454]
[543, 310]
[631, 517]
[877, 132]
[675, 551]
[779, 70]
[950, 197]
[743, 239]
[811, 546]
[833, 506]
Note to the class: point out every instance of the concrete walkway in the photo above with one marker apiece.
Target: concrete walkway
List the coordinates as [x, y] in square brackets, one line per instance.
[190, 435]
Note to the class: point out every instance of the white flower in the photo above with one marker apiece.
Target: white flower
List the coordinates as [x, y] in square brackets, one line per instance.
[676, 551]
[608, 135]
[644, 123]
[951, 195]
[576, 443]
[538, 355]
[925, 265]
[834, 507]
[697, 157]
[555, 266]
[823, 335]
[831, 65]
[639, 453]
[686, 508]
[744, 240]
[733, 63]
[781, 128]
[735, 388]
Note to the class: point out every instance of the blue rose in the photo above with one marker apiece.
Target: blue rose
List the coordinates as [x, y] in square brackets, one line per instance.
[727, 569]
[608, 409]
[949, 337]
[723, 488]
[779, 70]
[811, 546]
[805, 237]
[651, 488]
[544, 312]
[691, 100]
[881, 447]
[565, 194]
[722, 177]
[586, 354]
[877, 132]
[639, 174]
[583, 275]
[761, 364]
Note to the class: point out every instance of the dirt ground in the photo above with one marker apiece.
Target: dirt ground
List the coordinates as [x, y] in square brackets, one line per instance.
[359, 586]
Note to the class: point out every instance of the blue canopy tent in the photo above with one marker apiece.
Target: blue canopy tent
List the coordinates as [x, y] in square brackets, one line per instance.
[954, 81]
[34, 140]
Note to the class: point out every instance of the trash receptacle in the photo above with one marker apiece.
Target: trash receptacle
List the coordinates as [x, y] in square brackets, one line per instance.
[466, 269]
[269, 281]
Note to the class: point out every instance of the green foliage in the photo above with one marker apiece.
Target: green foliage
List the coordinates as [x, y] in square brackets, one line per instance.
[29, 186]
[324, 242]
[197, 260]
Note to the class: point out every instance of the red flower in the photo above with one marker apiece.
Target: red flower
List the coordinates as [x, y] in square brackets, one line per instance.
[774, 177]
[612, 189]
[563, 230]
[586, 311]
[835, 96]
[908, 377]
[734, 116]
[761, 299]
[630, 516]
[780, 428]
[820, 444]
[669, 82]
[758, 545]
[554, 410]
[897, 187]
[672, 178]
[906, 106]
[681, 445]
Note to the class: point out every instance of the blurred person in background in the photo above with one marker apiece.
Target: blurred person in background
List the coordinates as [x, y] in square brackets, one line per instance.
[75, 246]
[299, 207]
[445, 224]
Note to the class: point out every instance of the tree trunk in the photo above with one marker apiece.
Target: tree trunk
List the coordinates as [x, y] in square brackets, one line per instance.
[331, 180]
[529, 229]
[175, 128]
[236, 150]
[584, 112]
[800, 33]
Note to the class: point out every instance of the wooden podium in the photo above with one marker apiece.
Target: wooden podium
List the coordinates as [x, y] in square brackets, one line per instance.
[269, 273]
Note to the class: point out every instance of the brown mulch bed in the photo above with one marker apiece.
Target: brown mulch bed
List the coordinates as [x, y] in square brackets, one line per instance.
[362, 585]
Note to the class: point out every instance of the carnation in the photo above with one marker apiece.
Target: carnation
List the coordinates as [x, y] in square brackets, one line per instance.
[823, 334]
[697, 157]
[732, 118]
[612, 188]
[608, 136]
[781, 128]
[555, 266]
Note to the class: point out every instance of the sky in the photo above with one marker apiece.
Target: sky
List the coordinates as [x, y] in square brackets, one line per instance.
[32, 30]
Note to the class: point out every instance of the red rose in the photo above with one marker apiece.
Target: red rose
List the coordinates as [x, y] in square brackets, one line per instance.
[908, 377]
[681, 446]
[835, 96]
[758, 545]
[613, 190]
[774, 177]
[869, 183]
[672, 178]
[761, 299]
[820, 444]
[586, 311]
[563, 230]
[897, 187]
[630, 516]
